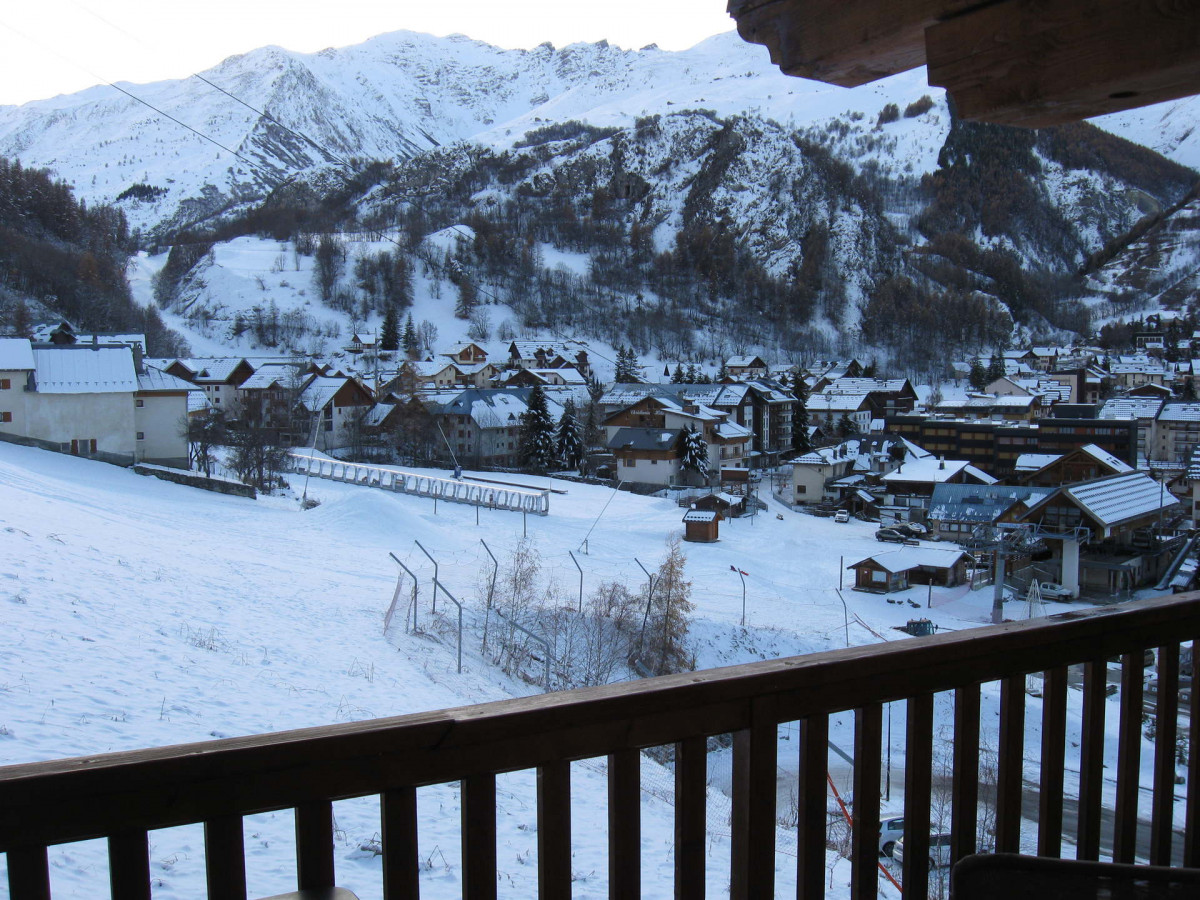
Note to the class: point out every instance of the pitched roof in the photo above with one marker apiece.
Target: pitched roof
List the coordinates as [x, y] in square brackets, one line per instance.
[644, 438]
[73, 370]
[897, 561]
[1104, 457]
[1180, 412]
[979, 502]
[931, 469]
[700, 515]
[212, 369]
[1116, 499]
[157, 381]
[1131, 408]
[16, 355]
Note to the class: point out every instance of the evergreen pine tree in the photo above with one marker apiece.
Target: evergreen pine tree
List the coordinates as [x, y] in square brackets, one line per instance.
[846, 426]
[692, 375]
[677, 375]
[537, 444]
[995, 367]
[570, 448]
[723, 373]
[695, 453]
[390, 338]
[800, 438]
[409, 340]
[978, 376]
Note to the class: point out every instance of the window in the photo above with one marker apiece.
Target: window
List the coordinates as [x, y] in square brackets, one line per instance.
[878, 576]
[141, 435]
[139, 403]
[802, 489]
[5, 417]
[5, 384]
[627, 462]
[654, 462]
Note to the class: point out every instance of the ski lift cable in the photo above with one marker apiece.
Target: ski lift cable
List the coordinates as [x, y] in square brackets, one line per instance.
[200, 134]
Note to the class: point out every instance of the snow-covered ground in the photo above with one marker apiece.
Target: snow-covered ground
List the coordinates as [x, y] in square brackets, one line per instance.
[141, 613]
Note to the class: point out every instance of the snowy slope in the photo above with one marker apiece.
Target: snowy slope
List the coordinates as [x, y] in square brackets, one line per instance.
[141, 613]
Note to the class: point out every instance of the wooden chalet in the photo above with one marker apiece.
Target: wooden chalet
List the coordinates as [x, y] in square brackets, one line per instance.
[898, 570]
[220, 378]
[1085, 464]
[467, 354]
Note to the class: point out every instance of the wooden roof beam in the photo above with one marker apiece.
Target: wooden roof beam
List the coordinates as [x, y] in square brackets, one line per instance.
[1014, 62]
[843, 42]
[1043, 62]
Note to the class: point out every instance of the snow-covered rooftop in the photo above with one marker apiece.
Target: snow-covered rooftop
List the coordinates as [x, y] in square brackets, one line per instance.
[936, 470]
[911, 557]
[16, 355]
[1120, 498]
[1180, 412]
[72, 370]
[1131, 408]
[157, 381]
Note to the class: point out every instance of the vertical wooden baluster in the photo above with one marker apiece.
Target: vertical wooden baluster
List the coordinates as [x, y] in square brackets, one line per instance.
[1191, 840]
[918, 765]
[752, 844]
[479, 837]
[554, 830]
[1054, 749]
[864, 863]
[314, 845]
[624, 824]
[810, 814]
[28, 873]
[1166, 724]
[1091, 760]
[691, 807]
[398, 821]
[1128, 758]
[225, 858]
[964, 809]
[1010, 765]
[129, 866]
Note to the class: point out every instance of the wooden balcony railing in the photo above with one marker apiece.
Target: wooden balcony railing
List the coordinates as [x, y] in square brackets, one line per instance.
[121, 796]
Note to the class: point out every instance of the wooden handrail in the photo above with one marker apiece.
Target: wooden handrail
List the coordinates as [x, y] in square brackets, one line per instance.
[122, 794]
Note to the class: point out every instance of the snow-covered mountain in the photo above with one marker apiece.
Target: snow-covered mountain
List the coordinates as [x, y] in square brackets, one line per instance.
[393, 96]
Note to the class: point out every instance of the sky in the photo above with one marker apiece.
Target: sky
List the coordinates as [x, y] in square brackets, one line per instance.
[51, 47]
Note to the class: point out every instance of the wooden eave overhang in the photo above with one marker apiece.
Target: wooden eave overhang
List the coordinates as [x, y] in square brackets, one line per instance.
[1010, 62]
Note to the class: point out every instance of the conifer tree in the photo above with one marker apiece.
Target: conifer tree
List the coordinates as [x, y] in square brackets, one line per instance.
[537, 444]
[800, 416]
[995, 368]
[978, 376]
[677, 375]
[846, 426]
[695, 453]
[409, 339]
[390, 338]
[570, 448]
[692, 374]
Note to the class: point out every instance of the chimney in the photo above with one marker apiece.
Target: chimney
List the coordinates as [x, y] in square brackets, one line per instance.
[95, 341]
[941, 462]
[138, 365]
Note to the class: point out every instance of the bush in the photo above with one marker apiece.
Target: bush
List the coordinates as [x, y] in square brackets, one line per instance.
[889, 113]
[918, 107]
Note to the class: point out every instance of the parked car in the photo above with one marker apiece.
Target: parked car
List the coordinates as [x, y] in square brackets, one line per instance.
[891, 534]
[1051, 591]
[939, 850]
[890, 831]
[841, 516]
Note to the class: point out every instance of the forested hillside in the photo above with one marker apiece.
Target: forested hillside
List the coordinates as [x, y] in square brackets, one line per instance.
[58, 257]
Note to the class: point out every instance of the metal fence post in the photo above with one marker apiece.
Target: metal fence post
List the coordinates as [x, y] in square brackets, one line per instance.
[435, 574]
[438, 584]
[574, 560]
[415, 583]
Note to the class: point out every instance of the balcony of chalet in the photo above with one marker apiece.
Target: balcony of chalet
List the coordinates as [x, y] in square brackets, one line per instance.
[1115, 816]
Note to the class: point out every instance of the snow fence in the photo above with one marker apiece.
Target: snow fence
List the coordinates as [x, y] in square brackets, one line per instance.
[451, 490]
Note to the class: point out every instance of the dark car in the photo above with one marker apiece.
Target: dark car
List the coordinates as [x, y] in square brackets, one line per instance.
[892, 534]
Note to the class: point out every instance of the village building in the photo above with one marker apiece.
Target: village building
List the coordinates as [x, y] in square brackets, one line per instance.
[1140, 409]
[727, 441]
[909, 489]
[335, 406]
[468, 354]
[220, 379]
[482, 426]
[1087, 463]
[746, 367]
[898, 570]
[92, 400]
[957, 510]
[547, 355]
[1177, 431]
[829, 474]
[1110, 534]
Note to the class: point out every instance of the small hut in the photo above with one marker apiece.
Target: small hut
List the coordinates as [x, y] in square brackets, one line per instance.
[700, 525]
